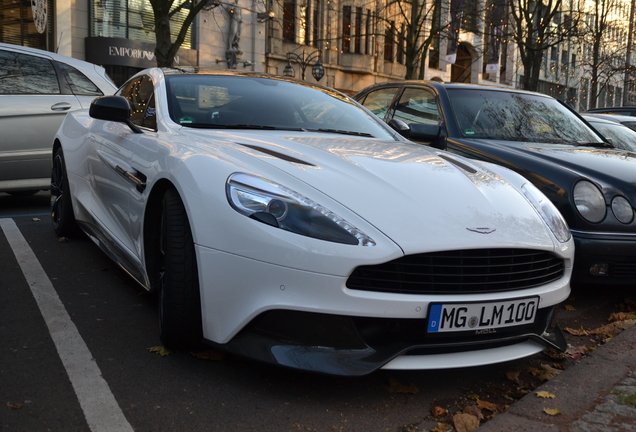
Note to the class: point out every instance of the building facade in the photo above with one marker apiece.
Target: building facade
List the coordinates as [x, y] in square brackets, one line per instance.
[357, 42]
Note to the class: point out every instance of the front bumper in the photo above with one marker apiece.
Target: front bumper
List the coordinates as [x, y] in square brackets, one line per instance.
[312, 321]
[616, 252]
[353, 346]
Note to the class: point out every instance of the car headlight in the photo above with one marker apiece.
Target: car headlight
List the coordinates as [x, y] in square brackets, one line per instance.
[283, 208]
[589, 201]
[548, 212]
[622, 209]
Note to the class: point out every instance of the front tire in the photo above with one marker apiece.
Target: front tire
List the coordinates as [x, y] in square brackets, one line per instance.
[179, 297]
[64, 222]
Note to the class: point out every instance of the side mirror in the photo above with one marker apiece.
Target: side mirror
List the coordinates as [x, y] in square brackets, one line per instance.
[429, 133]
[400, 127]
[112, 108]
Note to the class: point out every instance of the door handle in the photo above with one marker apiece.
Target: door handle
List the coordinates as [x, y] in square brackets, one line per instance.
[61, 106]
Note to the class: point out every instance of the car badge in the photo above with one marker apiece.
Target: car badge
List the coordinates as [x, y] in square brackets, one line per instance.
[482, 230]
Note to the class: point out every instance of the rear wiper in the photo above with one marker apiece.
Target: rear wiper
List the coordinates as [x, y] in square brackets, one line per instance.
[342, 132]
[240, 126]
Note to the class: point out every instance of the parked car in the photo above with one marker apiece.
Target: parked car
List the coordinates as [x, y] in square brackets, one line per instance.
[283, 222]
[622, 110]
[37, 89]
[617, 133]
[625, 120]
[589, 181]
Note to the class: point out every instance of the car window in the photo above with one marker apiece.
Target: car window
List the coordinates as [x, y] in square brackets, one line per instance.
[631, 125]
[79, 83]
[417, 106]
[379, 101]
[149, 119]
[27, 74]
[622, 137]
[139, 92]
[213, 101]
[511, 116]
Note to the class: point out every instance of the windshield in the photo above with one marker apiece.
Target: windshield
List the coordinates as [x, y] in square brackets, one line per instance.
[510, 116]
[621, 136]
[245, 102]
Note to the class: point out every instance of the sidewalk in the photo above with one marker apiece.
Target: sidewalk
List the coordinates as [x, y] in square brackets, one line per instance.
[587, 395]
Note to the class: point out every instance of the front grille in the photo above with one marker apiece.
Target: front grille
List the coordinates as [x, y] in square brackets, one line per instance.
[464, 271]
[625, 269]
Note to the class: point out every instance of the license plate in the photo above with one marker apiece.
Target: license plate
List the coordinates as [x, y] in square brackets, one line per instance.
[454, 317]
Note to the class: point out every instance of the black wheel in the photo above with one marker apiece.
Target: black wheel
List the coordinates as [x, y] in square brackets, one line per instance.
[179, 298]
[64, 222]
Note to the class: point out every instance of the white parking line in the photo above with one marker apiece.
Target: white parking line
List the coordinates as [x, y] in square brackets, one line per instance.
[97, 401]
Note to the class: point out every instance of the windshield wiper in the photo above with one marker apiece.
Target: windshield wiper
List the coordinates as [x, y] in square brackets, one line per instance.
[342, 132]
[240, 126]
[594, 144]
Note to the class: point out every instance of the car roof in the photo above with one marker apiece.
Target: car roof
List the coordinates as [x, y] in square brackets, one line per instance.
[615, 118]
[457, 85]
[58, 57]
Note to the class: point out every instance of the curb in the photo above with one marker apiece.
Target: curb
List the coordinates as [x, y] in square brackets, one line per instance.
[579, 390]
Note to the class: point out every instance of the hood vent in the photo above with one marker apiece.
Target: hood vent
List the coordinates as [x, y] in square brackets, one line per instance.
[457, 163]
[277, 154]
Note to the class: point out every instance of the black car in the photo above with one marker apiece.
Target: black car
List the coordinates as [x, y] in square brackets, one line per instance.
[592, 183]
[622, 110]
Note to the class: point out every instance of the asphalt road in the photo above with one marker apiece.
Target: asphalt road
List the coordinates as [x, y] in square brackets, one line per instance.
[117, 323]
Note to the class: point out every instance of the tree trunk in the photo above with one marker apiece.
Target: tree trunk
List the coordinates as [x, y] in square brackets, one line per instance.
[532, 69]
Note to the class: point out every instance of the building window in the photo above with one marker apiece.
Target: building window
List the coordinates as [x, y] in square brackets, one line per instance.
[133, 19]
[346, 28]
[368, 49]
[18, 26]
[358, 31]
[289, 21]
[389, 41]
[316, 23]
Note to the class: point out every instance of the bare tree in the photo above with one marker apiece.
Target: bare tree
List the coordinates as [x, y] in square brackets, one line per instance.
[419, 30]
[163, 10]
[605, 62]
[536, 26]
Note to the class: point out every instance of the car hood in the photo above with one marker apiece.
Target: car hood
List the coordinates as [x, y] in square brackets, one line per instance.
[420, 198]
[612, 168]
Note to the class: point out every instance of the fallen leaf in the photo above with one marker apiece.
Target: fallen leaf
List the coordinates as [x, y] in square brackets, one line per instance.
[486, 405]
[605, 331]
[545, 395]
[570, 308]
[625, 324]
[438, 412]
[514, 377]
[161, 350]
[473, 397]
[536, 372]
[63, 239]
[554, 355]
[474, 410]
[214, 355]
[579, 332]
[551, 411]
[442, 427]
[550, 372]
[15, 405]
[35, 220]
[465, 422]
[621, 316]
[397, 387]
[577, 350]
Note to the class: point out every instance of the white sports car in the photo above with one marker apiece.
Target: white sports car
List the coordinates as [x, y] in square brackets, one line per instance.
[281, 221]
